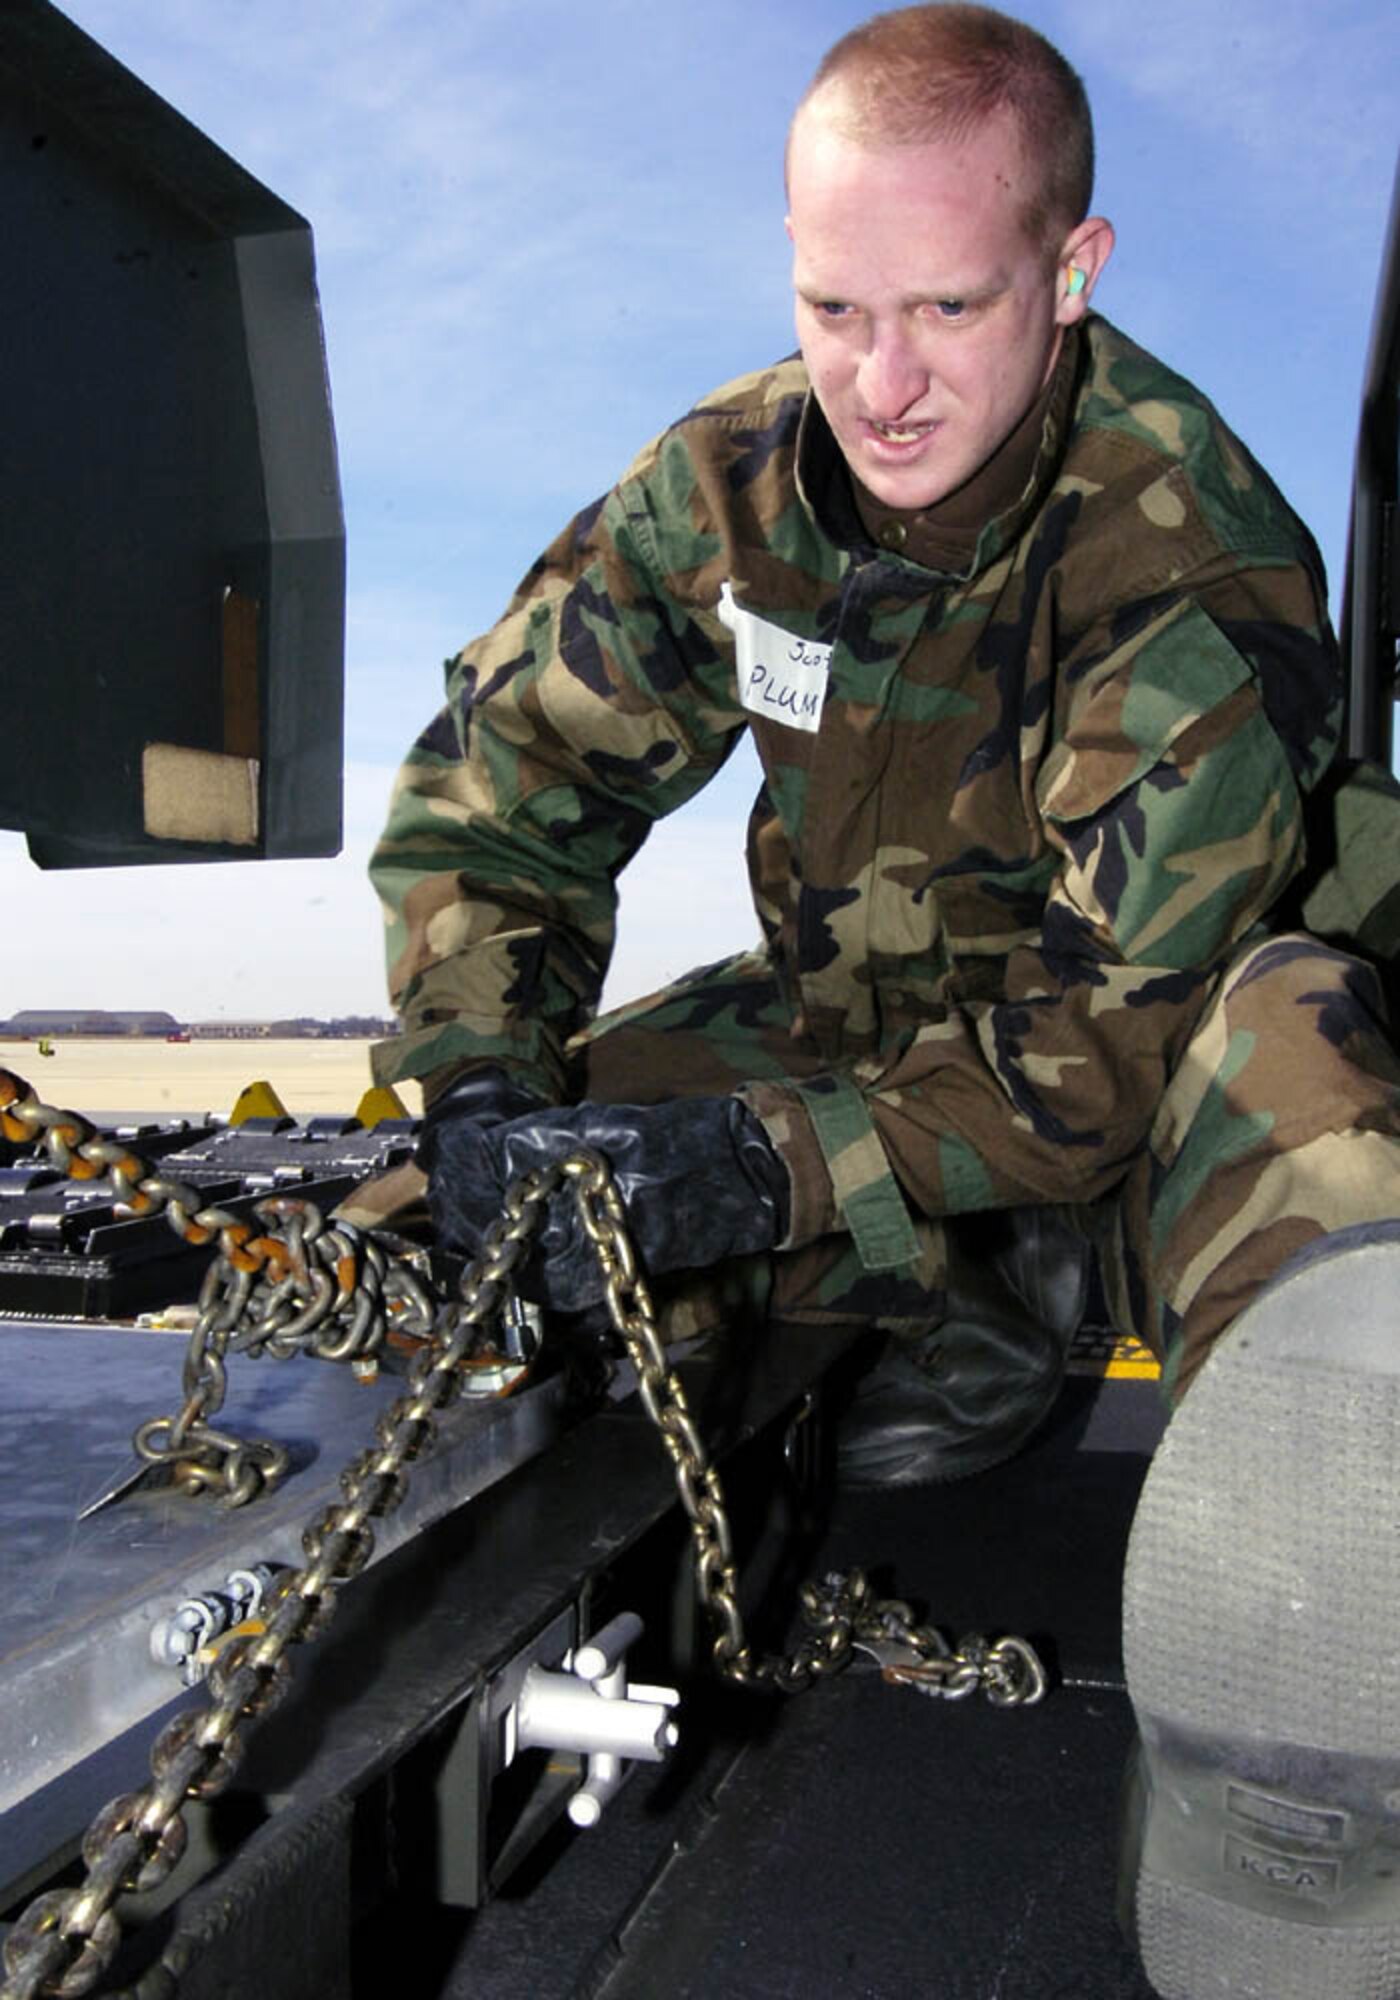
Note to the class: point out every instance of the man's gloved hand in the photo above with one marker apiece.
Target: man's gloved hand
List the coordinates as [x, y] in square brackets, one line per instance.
[471, 1103]
[475, 1100]
[698, 1179]
[395, 1199]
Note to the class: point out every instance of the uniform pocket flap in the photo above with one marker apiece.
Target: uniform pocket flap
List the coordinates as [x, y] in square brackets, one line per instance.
[1171, 674]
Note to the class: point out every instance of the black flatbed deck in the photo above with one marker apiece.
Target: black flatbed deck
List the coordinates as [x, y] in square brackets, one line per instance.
[862, 1840]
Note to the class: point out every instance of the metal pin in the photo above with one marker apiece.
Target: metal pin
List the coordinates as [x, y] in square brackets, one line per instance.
[130, 1477]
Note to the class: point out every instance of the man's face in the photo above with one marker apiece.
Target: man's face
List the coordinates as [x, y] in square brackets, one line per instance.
[928, 319]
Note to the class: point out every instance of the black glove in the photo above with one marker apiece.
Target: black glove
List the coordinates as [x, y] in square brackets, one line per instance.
[698, 1178]
[479, 1098]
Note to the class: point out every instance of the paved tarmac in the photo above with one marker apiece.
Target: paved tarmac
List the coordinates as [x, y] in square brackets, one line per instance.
[125, 1073]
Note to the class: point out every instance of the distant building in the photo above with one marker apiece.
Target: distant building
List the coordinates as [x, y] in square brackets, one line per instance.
[301, 1027]
[32, 1022]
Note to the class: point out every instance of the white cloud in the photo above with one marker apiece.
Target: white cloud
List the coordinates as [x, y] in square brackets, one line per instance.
[1299, 96]
[685, 898]
[501, 200]
[246, 939]
[225, 938]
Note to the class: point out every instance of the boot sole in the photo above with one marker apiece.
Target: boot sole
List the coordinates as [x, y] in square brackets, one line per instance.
[1262, 1648]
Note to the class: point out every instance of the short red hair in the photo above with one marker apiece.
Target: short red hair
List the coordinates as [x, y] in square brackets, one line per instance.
[937, 71]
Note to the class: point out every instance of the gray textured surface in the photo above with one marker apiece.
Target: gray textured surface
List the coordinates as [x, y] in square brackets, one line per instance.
[1262, 1648]
[1263, 1581]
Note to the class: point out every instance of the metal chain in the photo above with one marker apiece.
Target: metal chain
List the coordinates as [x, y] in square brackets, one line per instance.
[66, 1938]
[840, 1612]
[292, 1284]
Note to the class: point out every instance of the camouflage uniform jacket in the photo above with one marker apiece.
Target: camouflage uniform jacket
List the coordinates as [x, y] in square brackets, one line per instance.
[1013, 820]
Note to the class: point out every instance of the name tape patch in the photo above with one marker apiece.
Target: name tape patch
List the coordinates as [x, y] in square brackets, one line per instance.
[780, 675]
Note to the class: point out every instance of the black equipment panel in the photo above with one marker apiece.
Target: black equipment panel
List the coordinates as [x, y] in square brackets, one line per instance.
[174, 547]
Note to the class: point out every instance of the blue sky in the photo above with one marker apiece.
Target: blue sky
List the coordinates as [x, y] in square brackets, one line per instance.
[543, 230]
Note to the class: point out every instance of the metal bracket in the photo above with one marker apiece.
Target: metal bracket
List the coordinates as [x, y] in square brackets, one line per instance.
[591, 1712]
[566, 1700]
[186, 1638]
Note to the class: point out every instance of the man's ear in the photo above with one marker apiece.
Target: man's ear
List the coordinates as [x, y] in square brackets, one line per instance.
[1082, 257]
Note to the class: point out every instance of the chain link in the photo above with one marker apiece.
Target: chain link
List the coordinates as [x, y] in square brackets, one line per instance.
[64, 1941]
[840, 1613]
[287, 1283]
[270, 1289]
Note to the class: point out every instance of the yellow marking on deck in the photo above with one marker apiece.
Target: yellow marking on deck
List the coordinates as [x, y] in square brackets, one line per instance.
[1117, 1357]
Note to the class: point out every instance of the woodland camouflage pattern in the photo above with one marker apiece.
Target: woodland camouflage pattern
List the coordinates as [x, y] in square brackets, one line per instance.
[1050, 798]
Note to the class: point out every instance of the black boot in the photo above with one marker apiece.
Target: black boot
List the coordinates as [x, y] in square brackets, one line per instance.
[970, 1391]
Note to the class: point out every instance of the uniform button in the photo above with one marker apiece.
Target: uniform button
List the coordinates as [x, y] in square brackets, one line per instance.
[893, 534]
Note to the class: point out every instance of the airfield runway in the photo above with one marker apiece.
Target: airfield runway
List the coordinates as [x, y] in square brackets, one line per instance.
[102, 1075]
